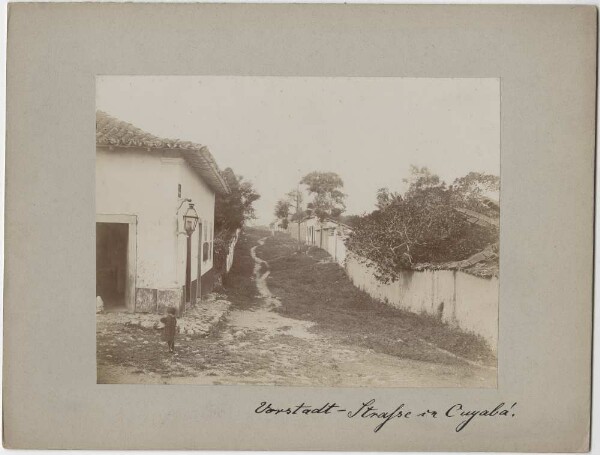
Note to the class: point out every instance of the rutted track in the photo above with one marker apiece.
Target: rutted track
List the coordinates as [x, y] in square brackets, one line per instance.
[261, 278]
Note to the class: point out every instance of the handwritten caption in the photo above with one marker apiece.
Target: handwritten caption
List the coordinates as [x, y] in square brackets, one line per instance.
[370, 410]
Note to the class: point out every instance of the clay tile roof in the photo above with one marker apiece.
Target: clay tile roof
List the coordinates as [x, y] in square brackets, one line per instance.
[484, 264]
[111, 131]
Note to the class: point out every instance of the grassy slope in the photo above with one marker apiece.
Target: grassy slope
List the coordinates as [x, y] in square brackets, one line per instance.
[312, 289]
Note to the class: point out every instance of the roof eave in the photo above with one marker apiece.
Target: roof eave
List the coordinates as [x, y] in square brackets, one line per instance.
[219, 186]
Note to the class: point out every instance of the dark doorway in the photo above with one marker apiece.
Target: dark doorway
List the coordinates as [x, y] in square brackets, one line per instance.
[111, 264]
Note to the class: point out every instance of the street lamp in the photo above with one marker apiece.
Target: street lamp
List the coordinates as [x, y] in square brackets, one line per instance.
[190, 221]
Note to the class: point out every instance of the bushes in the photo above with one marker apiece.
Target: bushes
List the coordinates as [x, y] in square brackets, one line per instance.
[424, 225]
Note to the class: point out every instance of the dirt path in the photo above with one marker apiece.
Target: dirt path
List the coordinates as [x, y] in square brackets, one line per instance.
[260, 346]
[269, 302]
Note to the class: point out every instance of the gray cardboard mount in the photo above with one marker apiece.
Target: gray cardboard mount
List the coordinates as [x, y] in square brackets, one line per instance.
[545, 57]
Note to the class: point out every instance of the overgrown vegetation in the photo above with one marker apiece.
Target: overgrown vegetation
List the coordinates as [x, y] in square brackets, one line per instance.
[312, 288]
[426, 224]
[231, 212]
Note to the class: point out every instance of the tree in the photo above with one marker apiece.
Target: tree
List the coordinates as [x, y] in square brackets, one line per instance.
[473, 190]
[295, 199]
[231, 212]
[235, 208]
[351, 220]
[477, 184]
[282, 212]
[292, 200]
[421, 226]
[328, 199]
[421, 179]
[385, 198]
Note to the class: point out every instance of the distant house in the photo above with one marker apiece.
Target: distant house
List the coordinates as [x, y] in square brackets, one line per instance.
[328, 235]
[311, 225]
[144, 187]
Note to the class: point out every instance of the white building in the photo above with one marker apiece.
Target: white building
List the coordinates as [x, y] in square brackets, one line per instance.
[144, 187]
[329, 235]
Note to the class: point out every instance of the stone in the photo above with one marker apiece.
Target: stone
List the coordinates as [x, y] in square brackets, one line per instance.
[145, 300]
[166, 298]
[99, 305]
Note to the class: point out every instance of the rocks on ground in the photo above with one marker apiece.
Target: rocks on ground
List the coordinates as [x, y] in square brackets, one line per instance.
[198, 320]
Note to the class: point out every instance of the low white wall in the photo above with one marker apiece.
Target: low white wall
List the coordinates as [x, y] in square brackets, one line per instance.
[462, 300]
[336, 247]
[229, 260]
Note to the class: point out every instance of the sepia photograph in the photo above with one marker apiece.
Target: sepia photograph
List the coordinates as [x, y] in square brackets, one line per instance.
[297, 231]
[369, 224]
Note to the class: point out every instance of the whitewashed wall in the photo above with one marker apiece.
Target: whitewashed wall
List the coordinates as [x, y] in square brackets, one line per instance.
[336, 247]
[462, 300]
[139, 183]
[204, 203]
[232, 244]
[144, 184]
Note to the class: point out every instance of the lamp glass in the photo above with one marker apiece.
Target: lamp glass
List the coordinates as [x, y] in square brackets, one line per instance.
[190, 220]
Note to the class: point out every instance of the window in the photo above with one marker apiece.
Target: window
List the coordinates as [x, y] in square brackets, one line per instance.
[205, 251]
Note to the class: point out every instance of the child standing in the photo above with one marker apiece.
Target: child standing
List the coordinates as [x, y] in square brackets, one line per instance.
[170, 322]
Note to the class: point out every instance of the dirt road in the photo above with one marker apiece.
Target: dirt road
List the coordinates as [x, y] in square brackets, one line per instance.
[260, 346]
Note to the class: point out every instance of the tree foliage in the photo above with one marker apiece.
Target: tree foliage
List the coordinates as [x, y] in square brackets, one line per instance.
[282, 212]
[351, 220]
[327, 197]
[289, 208]
[231, 212]
[471, 191]
[234, 209]
[385, 198]
[423, 225]
[422, 179]
[295, 199]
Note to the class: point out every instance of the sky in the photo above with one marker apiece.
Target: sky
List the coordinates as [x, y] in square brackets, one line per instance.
[275, 130]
